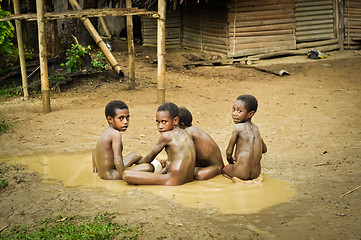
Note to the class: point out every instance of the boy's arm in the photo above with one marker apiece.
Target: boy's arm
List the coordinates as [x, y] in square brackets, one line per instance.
[162, 142]
[231, 144]
[264, 147]
[117, 147]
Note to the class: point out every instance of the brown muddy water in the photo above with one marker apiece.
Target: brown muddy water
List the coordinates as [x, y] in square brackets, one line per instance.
[219, 194]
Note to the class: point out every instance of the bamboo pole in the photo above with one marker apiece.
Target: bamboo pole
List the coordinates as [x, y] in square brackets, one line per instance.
[19, 34]
[131, 52]
[45, 92]
[99, 41]
[104, 12]
[161, 52]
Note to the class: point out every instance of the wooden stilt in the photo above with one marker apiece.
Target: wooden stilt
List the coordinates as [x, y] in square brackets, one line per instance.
[99, 41]
[19, 35]
[45, 92]
[131, 52]
[161, 52]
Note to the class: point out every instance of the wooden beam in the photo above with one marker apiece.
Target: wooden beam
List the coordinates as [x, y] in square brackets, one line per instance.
[84, 13]
[45, 92]
[161, 52]
[131, 52]
[19, 35]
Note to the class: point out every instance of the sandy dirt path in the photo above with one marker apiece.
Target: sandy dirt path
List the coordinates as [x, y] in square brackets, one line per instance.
[310, 121]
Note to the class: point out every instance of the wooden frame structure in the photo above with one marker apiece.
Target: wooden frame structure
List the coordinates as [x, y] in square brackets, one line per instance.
[41, 16]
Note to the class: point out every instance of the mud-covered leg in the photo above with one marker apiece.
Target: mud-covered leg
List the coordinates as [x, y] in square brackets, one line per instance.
[145, 167]
[130, 159]
[206, 173]
[227, 171]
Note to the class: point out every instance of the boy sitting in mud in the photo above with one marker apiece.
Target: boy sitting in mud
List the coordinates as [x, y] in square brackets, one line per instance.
[178, 146]
[246, 162]
[209, 161]
[107, 157]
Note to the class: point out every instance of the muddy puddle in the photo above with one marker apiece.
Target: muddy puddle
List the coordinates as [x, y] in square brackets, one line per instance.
[218, 194]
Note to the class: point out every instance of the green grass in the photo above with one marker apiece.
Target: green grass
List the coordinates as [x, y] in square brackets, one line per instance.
[97, 227]
[3, 183]
[10, 91]
[4, 125]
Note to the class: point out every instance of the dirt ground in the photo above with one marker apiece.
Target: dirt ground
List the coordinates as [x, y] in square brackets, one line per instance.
[310, 121]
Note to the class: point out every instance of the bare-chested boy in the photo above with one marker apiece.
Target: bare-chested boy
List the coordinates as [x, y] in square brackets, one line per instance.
[209, 161]
[246, 162]
[107, 157]
[178, 146]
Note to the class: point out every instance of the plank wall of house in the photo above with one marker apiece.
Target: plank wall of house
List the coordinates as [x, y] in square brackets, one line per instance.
[352, 23]
[240, 28]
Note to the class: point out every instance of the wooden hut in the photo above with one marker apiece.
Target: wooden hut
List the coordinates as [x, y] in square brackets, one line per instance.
[239, 28]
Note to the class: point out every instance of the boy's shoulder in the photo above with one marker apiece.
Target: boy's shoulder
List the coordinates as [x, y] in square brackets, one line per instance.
[195, 131]
[111, 132]
[244, 125]
[192, 129]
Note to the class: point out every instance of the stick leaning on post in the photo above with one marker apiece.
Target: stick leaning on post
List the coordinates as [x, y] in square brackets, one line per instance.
[99, 41]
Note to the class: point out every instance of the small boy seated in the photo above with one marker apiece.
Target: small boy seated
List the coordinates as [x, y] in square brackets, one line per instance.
[246, 162]
[178, 146]
[209, 161]
[107, 157]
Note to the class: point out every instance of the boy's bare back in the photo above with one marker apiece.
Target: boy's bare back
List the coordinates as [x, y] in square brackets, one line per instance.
[181, 156]
[108, 150]
[248, 153]
[209, 161]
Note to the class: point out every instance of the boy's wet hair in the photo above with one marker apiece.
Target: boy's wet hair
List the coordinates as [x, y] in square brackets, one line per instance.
[250, 102]
[169, 107]
[185, 116]
[112, 105]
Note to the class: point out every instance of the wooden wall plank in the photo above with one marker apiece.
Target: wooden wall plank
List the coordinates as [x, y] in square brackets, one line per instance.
[261, 24]
[315, 20]
[352, 23]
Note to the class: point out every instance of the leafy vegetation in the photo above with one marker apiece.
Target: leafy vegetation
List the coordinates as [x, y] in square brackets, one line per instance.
[4, 125]
[99, 62]
[54, 79]
[98, 227]
[12, 57]
[6, 32]
[75, 56]
[3, 183]
[10, 91]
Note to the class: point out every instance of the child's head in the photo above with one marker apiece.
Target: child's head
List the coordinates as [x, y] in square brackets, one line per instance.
[117, 114]
[185, 118]
[244, 108]
[167, 117]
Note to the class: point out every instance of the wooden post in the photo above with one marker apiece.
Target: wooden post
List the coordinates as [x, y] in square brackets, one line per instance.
[19, 35]
[131, 52]
[45, 92]
[99, 41]
[341, 26]
[161, 52]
